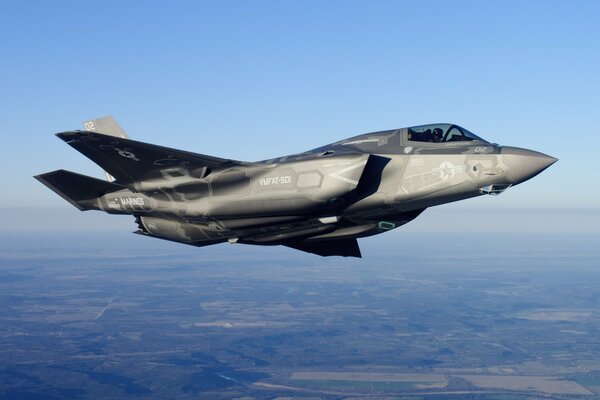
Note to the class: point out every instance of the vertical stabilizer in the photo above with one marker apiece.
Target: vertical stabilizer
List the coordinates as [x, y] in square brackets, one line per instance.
[108, 126]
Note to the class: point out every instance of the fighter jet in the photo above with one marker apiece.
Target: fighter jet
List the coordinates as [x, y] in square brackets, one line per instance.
[319, 201]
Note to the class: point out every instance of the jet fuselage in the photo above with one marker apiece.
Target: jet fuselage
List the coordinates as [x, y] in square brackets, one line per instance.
[318, 201]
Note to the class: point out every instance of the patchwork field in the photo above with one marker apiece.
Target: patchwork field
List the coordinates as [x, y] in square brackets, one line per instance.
[543, 384]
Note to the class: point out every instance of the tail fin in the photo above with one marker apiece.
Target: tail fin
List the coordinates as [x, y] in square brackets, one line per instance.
[108, 126]
[80, 190]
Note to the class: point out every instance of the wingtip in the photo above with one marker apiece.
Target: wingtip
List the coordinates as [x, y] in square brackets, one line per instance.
[69, 135]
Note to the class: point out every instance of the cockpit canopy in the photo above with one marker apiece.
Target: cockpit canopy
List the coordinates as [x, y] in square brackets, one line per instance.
[441, 133]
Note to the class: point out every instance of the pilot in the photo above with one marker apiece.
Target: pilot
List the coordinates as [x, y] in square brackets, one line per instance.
[437, 135]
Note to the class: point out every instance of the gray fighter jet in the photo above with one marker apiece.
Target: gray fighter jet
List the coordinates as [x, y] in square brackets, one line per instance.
[319, 201]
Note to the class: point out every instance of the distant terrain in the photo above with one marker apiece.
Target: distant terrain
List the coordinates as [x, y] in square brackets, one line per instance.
[102, 316]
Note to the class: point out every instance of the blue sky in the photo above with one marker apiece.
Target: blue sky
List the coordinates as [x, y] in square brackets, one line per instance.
[253, 80]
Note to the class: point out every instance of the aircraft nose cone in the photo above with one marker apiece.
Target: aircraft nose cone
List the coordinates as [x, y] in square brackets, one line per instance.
[524, 164]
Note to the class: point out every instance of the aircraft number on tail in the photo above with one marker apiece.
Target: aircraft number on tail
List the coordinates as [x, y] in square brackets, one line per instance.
[89, 126]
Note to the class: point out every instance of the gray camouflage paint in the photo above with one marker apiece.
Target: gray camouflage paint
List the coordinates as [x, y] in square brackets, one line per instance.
[318, 201]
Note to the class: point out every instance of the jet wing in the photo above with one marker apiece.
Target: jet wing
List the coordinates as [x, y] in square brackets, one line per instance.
[338, 247]
[130, 161]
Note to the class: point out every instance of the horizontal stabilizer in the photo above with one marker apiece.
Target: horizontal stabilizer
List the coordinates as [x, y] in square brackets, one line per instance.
[130, 161]
[339, 247]
[79, 190]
